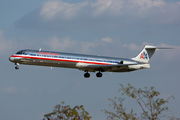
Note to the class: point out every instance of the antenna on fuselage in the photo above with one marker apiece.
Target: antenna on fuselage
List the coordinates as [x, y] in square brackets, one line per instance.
[40, 49]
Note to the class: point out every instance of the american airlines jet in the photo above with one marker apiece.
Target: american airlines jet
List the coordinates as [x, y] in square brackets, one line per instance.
[86, 63]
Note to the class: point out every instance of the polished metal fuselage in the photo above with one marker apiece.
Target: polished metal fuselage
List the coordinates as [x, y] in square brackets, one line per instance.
[69, 60]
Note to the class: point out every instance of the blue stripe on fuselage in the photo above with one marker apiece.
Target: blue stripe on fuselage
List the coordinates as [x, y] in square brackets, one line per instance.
[73, 56]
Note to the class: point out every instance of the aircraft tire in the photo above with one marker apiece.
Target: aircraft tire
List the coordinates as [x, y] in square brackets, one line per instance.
[87, 75]
[17, 67]
[99, 74]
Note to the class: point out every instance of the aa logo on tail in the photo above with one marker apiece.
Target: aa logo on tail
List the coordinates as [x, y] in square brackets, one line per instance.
[143, 56]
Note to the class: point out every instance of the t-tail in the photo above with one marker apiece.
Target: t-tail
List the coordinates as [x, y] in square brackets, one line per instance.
[147, 52]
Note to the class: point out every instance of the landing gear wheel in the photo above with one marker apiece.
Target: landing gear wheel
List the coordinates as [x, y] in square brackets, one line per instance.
[99, 74]
[17, 67]
[87, 75]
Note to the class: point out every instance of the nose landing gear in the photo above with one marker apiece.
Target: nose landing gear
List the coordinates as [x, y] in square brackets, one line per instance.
[17, 66]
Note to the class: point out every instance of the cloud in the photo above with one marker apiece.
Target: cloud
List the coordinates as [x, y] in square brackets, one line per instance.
[65, 10]
[171, 53]
[56, 13]
[53, 8]
[86, 46]
[158, 11]
[107, 39]
[5, 45]
[128, 7]
[113, 7]
[168, 54]
[67, 44]
[134, 47]
[60, 44]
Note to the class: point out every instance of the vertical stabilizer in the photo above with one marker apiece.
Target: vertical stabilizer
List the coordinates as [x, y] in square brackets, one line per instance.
[145, 54]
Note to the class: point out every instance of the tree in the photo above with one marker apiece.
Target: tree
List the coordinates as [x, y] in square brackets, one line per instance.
[153, 107]
[62, 112]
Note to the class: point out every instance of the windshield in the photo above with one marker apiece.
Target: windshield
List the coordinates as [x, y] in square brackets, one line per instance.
[24, 51]
[19, 52]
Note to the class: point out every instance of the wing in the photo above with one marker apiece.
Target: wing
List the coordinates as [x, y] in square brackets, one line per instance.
[103, 68]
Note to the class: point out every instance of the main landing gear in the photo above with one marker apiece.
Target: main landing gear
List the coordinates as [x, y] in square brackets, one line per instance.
[99, 74]
[87, 75]
[17, 66]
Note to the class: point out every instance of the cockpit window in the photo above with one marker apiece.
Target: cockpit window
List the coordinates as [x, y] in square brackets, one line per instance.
[19, 52]
[24, 52]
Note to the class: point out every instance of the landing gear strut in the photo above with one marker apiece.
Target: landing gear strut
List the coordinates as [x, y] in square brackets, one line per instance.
[17, 67]
[99, 74]
[86, 75]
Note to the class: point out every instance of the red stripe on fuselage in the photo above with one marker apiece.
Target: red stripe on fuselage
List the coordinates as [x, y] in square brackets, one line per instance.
[58, 59]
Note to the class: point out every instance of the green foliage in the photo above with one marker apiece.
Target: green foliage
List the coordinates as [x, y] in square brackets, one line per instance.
[62, 112]
[151, 105]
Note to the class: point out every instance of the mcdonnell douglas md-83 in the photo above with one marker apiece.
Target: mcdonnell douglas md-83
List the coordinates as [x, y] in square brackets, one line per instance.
[86, 63]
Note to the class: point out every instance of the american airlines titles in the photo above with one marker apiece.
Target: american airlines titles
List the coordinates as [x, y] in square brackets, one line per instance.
[48, 53]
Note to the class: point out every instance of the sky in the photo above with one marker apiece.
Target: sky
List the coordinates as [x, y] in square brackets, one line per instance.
[117, 28]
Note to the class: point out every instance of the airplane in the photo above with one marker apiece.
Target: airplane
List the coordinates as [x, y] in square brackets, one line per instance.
[86, 63]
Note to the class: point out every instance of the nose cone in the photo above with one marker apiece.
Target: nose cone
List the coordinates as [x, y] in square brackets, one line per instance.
[11, 59]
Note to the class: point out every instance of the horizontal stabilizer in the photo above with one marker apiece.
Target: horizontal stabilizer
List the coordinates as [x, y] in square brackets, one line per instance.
[147, 52]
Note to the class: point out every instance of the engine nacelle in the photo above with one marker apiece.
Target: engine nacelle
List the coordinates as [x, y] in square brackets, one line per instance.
[79, 65]
[136, 67]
